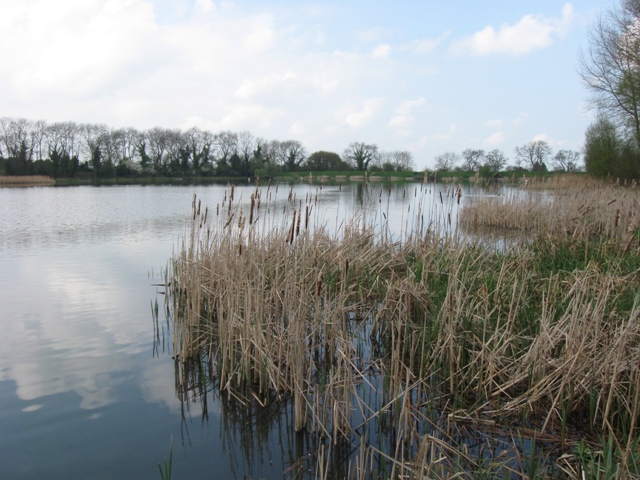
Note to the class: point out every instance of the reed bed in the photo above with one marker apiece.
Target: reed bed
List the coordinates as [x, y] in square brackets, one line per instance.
[25, 180]
[422, 355]
[576, 210]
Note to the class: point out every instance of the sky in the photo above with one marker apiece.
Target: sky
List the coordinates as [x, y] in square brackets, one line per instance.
[425, 76]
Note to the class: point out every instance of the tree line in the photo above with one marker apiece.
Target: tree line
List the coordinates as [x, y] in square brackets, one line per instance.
[67, 149]
[535, 156]
[610, 69]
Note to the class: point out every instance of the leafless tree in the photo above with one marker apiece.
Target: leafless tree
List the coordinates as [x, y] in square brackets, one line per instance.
[610, 68]
[472, 159]
[64, 137]
[566, 161]
[125, 143]
[38, 139]
[495, 160]
[403, 160]
[360, 155]
[533, 154]
[288, 154]
[163, 145]
[447, 161]
[15, 134]
[226, 144]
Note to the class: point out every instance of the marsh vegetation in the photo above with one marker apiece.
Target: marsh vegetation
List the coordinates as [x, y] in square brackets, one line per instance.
[420, 347]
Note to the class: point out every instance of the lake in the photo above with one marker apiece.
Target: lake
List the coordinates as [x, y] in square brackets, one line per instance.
[86, 388]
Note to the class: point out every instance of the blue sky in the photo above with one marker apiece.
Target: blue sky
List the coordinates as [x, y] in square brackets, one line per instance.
[424, 76]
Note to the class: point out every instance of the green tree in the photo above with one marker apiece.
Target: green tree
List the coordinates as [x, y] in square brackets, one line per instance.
[610, 68]
[96, 161]
[325, 161]
[609, 152]
[55, 156]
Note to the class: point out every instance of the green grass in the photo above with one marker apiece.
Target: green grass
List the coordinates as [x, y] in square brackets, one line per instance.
[166, 467]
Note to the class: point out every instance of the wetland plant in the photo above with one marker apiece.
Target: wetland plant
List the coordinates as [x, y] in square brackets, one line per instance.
[428, 354]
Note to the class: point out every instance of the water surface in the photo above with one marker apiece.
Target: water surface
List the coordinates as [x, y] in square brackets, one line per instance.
[85, 392]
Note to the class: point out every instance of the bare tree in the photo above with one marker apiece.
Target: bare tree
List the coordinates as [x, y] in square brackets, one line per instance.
[360, 155]
[533, 155]
[402, 160]
[38, 139]
[271, 152]
[226, 144]
[472, 159]
[162, 144]
[447, 161]
[293, 154]
[566, 161]
[125, 144]
[197, 150]
[65, 137]
[495, 160]
[93, 135]
[610, 68]
[15, 135]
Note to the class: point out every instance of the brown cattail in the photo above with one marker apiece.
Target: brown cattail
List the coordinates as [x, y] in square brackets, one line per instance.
[319, 284]
[292, 229]
[630, 237]
[253, 204]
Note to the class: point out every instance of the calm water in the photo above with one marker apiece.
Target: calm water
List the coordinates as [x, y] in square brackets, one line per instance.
[84, 391]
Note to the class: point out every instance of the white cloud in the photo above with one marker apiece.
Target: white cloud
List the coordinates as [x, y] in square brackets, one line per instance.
[424, 46]
[494, 139]
[400, 121]
[298, 129]
[264, 69]
[381, 51]
[359, 117]
[260, 36]
[532, 32]
[493, 123]
[241, 115]
[520, 119]
[75, 48]
[439, 137]
[205, 5]
[408, 105]
[403, 117]
[277, 84]
[542, 137]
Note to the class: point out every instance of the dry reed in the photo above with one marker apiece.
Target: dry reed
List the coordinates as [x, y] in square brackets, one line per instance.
[571, 208]
[26, 181]
[362, 332]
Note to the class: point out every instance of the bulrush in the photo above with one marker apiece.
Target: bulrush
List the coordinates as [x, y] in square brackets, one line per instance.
[397, 343]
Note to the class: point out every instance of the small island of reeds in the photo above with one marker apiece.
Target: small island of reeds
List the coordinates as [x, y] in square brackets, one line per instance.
[442, 350]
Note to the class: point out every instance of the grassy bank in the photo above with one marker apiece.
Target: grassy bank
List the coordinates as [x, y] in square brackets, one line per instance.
[433, 355]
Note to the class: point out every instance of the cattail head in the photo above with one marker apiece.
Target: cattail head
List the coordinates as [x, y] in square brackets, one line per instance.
[319, 284]
[253, 204]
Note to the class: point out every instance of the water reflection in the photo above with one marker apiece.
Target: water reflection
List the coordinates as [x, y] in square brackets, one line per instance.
[379, 436]
[78, 268]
